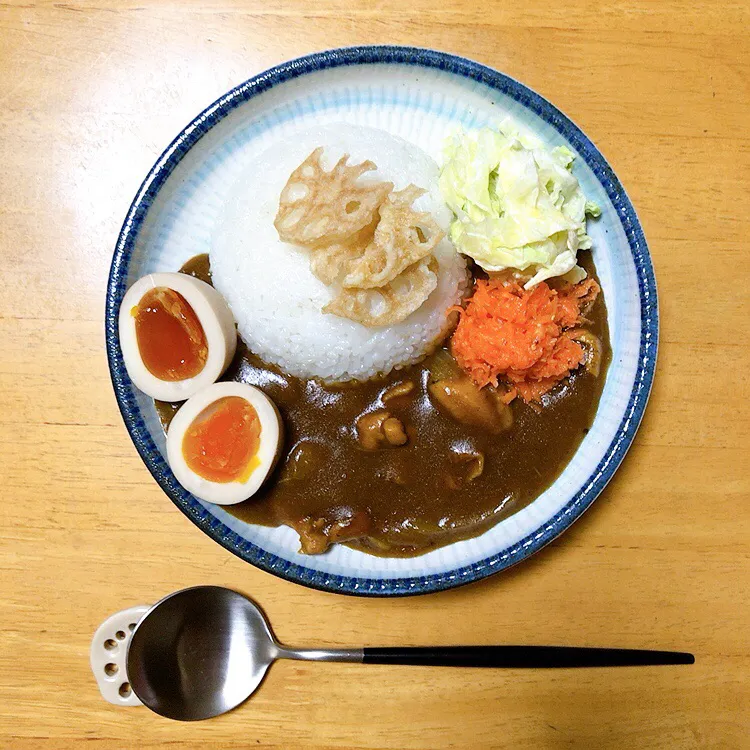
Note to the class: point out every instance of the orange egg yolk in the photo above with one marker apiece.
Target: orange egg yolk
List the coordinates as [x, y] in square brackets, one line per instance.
[222, 442]
[171, 340]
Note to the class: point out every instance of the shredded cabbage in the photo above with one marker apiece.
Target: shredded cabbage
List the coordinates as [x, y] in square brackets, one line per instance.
[516, 203]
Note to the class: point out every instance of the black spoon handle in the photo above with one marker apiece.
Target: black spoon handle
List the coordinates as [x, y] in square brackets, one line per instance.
[523, 656]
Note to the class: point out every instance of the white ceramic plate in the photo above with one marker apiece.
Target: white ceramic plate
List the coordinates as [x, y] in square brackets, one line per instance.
[419, 95]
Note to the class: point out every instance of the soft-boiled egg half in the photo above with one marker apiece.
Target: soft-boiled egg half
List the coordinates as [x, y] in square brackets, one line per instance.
[224, 442]
[177, 335]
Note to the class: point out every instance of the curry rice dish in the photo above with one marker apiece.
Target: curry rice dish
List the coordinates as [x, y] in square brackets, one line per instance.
[415, 376]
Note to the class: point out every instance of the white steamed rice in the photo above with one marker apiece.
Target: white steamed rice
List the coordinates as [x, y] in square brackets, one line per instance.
[275, 298]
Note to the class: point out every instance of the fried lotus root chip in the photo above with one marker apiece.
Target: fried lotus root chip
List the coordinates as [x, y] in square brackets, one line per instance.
[391, 303]
[403, 236]
[318, 208]
[331, 263]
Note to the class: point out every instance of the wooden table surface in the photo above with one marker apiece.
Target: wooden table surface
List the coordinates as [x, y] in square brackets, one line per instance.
[91, 93]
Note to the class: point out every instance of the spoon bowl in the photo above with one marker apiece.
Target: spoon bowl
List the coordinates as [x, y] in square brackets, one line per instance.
[199, 653]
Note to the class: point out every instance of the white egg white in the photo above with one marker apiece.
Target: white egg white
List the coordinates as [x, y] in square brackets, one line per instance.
[271, 435]
[215, 317]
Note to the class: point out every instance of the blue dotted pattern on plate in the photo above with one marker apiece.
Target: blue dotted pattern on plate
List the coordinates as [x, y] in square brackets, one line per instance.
[460, 67]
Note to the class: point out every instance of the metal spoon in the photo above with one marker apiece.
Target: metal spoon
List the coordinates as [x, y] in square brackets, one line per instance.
[202, 651]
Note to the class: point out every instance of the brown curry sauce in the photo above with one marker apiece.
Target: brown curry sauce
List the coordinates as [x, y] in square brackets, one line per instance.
[405, 500]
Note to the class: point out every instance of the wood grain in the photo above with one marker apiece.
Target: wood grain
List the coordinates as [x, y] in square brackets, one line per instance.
[91, 93]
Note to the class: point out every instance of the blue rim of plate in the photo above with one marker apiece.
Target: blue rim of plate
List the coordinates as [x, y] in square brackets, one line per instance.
[371, 55]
